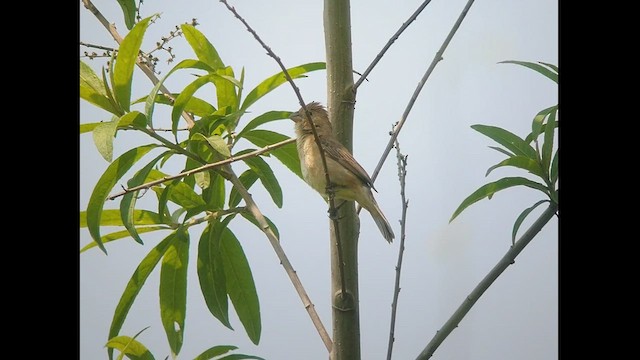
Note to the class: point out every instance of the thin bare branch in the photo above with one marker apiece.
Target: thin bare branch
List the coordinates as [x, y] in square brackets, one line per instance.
[330, 193]
[508, 259]
[143, 66]
[297, 284]
[416, 92]
[395, 37]
[204, 168]
[402, 175]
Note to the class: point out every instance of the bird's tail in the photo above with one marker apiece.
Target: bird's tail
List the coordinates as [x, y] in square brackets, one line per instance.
[381, 221]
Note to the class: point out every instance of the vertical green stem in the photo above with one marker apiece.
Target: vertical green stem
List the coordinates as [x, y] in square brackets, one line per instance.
[340, 104]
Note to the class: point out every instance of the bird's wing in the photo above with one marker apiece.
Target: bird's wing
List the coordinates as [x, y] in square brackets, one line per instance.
[336, 151]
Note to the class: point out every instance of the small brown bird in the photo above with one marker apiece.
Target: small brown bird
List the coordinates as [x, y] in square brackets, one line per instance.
[350, 180]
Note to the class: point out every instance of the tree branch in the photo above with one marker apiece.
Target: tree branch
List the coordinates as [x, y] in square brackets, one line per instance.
[502, 265]
[402, 175]
[204, 168]
[273, 240]
[395, 37]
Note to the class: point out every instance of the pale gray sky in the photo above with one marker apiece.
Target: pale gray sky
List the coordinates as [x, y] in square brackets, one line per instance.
[517, 318]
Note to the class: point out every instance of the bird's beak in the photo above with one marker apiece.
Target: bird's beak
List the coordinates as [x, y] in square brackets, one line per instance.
[295, 117]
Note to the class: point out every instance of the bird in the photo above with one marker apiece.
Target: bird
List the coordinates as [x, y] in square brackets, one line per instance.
[348, 178]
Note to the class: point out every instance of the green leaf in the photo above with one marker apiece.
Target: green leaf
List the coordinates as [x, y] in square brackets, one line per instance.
[488, 190]
[521, 162]
[135, 119]
[547, 147]
[173, 290]
[92, 89]
[130, 347]
[84, 128]
[287, 154]
[507, 139]
[553, 67]
[248, 178]
[111, 217]
[226, 89]
[240, 285]
[129, 12]
[278, 79]
[240, 357]
[267, 178]
[202, 47]
[536, 67]
[521, 218]
[108, 90]
[127, 56]
[136, 282]
[211, 272]
[128, 202]
[123, 234]
[537, 124]
[554, 168]
[247, 215]
[196, 105]
[153, 97]
[215, 194]
[215, 351]
[186, 95]
[106, 182]
[216, 142]
[183, 195]
[103, 137]
[263, 119]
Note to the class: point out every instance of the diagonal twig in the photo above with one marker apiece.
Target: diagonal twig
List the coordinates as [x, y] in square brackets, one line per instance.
[395, 37]
[470, 300]
[203, 168]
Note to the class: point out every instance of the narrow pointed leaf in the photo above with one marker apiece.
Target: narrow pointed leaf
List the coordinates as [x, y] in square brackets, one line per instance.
[85, 128]
[217, 143]
[106, 182]
[173, 290]
[127, 56]
[267, 178]
[153, 97]
[226, 89]
[129, 12]
[247, 178]
[287, 154]
[263, 119]
[92, 89]
[183, 195]
[537, 124]
[278, 79]
[554, 168]
[103, 137]
[110, 96]
[240, 285]
[128, 202]
[553, 67]
[215, 194]
[123, 234]
[547, 147]
[111, 217]
[247, 215]
[130, 347]
[536, 67]
[215, 351]
[201, 46]
[136, 282]
[521, 162]
[507, 139]
[488, 190]
[185, 96]
[498, 149]
[240, 88]
[135, 119]
[196, 105]
[211, 271]
[521, 218]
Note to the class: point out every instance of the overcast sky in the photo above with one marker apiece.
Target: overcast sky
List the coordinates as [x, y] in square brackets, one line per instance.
[517, 318]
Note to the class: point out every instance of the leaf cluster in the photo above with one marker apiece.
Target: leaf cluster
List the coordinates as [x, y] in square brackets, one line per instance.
[534, 154]
[202, 198]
